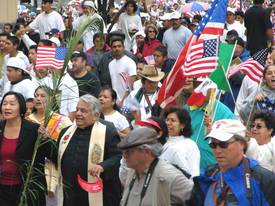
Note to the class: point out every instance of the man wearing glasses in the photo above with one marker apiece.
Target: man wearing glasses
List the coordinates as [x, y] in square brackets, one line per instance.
[235, 180]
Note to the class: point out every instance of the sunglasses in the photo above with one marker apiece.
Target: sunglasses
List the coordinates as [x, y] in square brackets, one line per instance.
[152, 31]
[258, 126]
[222, 145]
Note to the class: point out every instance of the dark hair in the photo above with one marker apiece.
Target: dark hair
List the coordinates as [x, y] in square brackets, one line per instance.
[21, 100]
[47, 1]
[187, 19]
[8, 25]
[232, 32]
[197, 17]
[117, 39]
[131, 2]
[142, 61]
[20, 21]
[14, 40]
[113, 95]
[162, 50]
[5, 34]
[267, 116]
[17, 27]
[46, 42]
[49, 92]
[239, 13]
[265, 69]
[258, 1]
[164, 129]
[33, 47]
[29, 100]
[96, 35]
[184, 119]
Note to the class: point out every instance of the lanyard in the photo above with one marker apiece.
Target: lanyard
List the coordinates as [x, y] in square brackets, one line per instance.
[223, 194]
[146, 182]
[225, 189]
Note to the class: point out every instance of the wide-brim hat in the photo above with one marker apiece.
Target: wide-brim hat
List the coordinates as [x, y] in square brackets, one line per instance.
[151, 73]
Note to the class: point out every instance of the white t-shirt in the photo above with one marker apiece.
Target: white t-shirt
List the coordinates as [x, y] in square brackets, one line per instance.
[187, 151]
[175, 40]
[69, 95]
[90, 31]
[126, 65]
[45, 22]
[124, 21]
[25, 87]
[238, 27]
[4, 78]
[118, 119]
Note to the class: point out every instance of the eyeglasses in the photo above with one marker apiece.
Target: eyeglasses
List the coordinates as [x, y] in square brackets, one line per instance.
[222, 145]
[258, 126]
[152, 31]
[171, 120]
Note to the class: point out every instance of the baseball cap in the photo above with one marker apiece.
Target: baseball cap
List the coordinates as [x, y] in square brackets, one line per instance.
[238, 39]
[232, 10]
[148, 121]
[90, 4]
[17, 63]
[225, 129]
[53, 31]
[137, 137]
[166, 16]
[79, 54]
[175, 15]
[55, 40]
[132, 28]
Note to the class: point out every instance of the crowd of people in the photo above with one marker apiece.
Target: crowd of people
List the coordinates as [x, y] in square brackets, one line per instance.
[105, 123]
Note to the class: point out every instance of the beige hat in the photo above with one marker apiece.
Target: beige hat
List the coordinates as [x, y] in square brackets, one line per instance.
[132, 28]
[225, 129]
[137, 137]
[151, 73]
[55, 40]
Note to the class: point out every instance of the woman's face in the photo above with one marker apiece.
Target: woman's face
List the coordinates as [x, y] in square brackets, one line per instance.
[10, 107]
[151, 33]
[269, 77]
[173, 124]
[105, 99]
[188, 86]
[260, 132]
[39, 99]
[130, 9]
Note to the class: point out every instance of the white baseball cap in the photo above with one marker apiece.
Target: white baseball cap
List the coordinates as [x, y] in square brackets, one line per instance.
[166, 16]
[175, 15]
[225, 129]
[17, 63]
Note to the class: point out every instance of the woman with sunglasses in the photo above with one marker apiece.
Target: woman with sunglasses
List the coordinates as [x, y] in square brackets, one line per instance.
[147, 47]
[264, 96]
[262, 126]
[178, 122]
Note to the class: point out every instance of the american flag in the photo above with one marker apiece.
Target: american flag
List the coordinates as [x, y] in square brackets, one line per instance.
[203, 58]
[192, 14]
[150, 60]
[237, 4]
[211, 26]
[273, 24]
[126, 77]
[267, 104]
[253, 67]
[49, 56]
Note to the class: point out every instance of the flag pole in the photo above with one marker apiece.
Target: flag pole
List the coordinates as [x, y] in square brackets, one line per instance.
[253, 103]
[230, 89]
[216, 108]
[210, 106]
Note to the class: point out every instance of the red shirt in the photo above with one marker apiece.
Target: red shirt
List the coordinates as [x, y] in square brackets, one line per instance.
[10, 174]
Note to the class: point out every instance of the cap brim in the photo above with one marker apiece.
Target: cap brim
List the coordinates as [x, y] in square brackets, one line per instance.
[154, 79]
[150, 122]
[221, 136]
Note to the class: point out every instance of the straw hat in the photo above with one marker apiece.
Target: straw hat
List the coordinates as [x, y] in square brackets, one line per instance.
[151, 73]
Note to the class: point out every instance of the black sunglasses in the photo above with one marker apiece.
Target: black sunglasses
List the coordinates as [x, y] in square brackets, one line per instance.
[258, 126]
[222, 145]
[152, 31]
